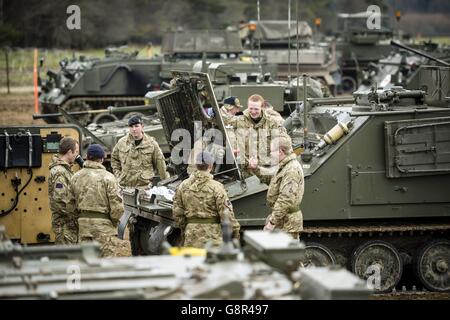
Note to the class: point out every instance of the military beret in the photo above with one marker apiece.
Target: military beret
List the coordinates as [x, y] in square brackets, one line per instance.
[95, 151]
[231, 102]
[134, 120]
[205, 157]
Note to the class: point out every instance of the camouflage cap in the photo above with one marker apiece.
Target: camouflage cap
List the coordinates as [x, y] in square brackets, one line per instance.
[232, 102]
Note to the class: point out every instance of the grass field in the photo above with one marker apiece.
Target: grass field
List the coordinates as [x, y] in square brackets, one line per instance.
[442, 40]
[21, 62]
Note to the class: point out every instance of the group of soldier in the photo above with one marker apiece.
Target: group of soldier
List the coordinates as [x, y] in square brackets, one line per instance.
[87, 205]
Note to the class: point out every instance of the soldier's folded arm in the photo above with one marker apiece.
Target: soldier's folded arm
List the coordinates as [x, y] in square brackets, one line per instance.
[285, 200]
[225, 208]
[115, 162]
[159, 162]
[115, 201]
[178, 210]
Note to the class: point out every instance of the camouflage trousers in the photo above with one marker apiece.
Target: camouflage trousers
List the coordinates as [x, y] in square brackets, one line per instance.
[65, 233]
[103, 231]
[197, 235]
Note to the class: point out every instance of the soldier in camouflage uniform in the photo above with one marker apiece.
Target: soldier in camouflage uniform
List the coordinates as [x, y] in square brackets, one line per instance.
[286, 188]
[255, 129]
[228, 112]
[231, 106]
[201, 205]
[136, 156]
[268, 108]
[64, 220]
[99, 205]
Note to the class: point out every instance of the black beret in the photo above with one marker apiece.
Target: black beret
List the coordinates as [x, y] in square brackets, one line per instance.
[233, 101]
[95, 151]
[134, 120]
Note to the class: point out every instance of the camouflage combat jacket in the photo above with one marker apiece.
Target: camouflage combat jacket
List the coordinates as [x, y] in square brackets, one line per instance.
[64, 218]
[96, 190]
[200, 206]
[254, 138]
[226, 117]
[275, 115]
[134, 165]
[285, 194]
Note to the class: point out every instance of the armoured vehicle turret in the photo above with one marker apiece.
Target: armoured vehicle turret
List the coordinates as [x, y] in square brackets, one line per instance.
[361, 43]
[357, 45]
[376, 170]
[316, 58]
[402, 68]
[84, 84]
[183, 49]
[280, 94]
[260, 270]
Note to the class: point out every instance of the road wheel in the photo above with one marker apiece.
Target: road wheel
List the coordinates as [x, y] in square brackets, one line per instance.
[318, 255]
[433, 265]
[379, 263]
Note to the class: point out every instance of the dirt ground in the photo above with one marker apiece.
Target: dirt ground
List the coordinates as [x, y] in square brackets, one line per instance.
[17, 109]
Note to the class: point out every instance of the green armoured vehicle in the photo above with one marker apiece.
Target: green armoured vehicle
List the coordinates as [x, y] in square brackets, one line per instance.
[401, 68]
[279, 94]
[279, 45]
[188, 50]
[86, 84]
[357, 45]
[376, 172]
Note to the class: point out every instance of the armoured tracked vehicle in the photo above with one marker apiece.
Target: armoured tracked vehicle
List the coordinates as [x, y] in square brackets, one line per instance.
[84, 84]
[261, 270]
[376, 169]
[183, 49]
[401, 68]
[316, 58]
[357, 45]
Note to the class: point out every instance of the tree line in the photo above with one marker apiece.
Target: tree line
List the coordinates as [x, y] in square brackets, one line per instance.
[42, 23]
